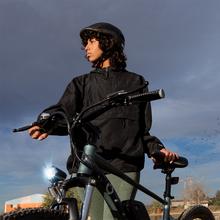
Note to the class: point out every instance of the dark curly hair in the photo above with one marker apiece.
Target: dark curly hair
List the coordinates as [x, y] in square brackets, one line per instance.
[111, 50]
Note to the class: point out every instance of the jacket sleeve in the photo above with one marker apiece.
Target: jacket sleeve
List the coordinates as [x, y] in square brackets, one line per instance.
[151, 143]
[70, 103]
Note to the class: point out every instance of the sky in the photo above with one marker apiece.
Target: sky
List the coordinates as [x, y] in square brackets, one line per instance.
[174, 44]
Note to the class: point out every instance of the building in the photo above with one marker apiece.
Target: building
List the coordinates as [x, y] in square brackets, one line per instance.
[187, 204]
[31, 201]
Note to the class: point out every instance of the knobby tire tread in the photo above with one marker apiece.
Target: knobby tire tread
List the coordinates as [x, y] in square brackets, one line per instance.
[35, 214]
[197, 212]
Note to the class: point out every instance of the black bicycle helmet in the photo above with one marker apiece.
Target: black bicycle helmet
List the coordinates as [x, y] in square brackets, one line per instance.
[105, 28]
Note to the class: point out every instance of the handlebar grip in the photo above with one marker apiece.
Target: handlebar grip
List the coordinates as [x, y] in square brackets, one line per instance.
[148, 96]
[24, 128]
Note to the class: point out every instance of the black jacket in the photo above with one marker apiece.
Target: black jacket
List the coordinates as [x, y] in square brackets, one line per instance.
[124, 130]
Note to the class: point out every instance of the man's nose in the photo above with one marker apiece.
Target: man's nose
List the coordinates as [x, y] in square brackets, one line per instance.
[86, 47]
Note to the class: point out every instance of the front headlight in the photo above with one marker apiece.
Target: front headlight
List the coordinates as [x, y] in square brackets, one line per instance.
[54, 174]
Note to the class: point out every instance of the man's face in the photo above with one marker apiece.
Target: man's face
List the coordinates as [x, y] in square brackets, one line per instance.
[92, 49]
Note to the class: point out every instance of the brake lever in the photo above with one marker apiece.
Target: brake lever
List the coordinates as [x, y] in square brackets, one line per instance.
[43, 117]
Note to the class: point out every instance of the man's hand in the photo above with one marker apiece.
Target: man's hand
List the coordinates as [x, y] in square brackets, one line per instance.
[36, 132]
[169, 155]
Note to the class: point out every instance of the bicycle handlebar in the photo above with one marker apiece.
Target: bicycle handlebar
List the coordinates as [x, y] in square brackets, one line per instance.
[118, 98]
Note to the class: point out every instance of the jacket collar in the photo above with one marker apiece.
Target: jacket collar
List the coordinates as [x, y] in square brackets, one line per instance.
[102, 70]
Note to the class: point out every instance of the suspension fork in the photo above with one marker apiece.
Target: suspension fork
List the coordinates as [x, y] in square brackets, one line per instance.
[87, 201]
[83, 182]
[73, 208]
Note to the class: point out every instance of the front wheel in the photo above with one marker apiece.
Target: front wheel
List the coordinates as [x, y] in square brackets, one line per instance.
[197, 212]
[35, 214]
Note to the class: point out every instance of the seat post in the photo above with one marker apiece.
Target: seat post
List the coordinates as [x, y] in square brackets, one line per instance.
[167, 193]
[168, 183]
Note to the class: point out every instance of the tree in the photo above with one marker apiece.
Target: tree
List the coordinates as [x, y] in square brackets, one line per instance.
[216, 199]
[48, 199]
[194, 191]
[155, 207]
[217, 195]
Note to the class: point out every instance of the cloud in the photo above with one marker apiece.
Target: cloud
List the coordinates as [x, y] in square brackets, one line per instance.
[175, 45]
[40, 46]
[22, 162]
[177, 118]
[22, 150]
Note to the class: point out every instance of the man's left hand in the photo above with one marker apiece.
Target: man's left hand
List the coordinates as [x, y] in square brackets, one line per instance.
[169, 155]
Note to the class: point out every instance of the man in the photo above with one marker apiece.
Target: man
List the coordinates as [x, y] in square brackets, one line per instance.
[124, 130]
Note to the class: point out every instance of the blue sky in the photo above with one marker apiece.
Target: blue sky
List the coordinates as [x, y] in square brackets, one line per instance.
[173, 44]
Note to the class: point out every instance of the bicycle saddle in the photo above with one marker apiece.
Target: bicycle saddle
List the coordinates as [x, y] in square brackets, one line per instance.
[181, 162]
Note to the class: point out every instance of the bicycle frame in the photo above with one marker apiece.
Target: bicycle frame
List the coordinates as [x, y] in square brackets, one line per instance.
[92, 167]
[90, 175]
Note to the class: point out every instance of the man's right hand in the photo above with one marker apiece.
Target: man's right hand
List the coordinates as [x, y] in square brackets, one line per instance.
[36, 132]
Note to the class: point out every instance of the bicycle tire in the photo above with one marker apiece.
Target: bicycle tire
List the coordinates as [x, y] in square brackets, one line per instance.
[197, 212]
[35, 214]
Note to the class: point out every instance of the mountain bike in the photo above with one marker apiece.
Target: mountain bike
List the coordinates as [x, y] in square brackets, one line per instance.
[92, 168]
